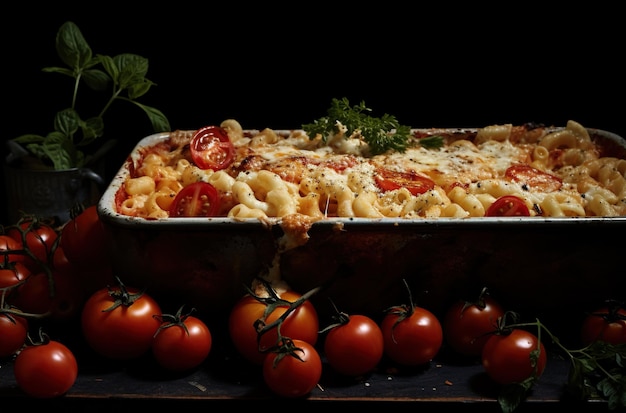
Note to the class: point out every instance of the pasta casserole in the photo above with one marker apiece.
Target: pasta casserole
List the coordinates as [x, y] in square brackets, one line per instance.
[498, 170]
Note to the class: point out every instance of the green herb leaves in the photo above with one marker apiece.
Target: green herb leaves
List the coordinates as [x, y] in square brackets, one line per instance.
[124, 75]
[381, 134]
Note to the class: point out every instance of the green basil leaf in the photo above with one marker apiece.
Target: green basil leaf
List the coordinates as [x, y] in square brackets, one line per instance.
[66, 122]
[72, 46]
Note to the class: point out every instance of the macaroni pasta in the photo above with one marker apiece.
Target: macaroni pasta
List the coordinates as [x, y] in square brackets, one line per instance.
[554, 172]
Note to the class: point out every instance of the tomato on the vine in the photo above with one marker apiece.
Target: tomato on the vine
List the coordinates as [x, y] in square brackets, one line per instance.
[302, 323]
[211, 148]
[57, 294]
[38, 238]
[117, 322]
[45, 370]
[13, 330]
[513, 356]
[607, 324]
[413, 335]
[10, 250]
[199, 199]
[354, 346]
[12, 274]
[85, 239]
[294, 370]
[467, 324]
[182, 342]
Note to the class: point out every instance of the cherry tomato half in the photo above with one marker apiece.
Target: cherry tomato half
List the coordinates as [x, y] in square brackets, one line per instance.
[416, 184]
[508, 206]
[198, 199]
[533, 177]
[211, 148]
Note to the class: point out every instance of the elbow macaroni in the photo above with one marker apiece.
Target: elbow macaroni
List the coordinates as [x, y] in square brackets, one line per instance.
[278, 174]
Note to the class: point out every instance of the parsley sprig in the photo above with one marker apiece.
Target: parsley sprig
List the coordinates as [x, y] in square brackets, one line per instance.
[380, 133]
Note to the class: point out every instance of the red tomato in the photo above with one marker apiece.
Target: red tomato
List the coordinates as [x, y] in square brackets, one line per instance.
[535, 178]
[36, 237]
[35, 296]
[302, 324]
[508, 206]
[467, 325]
[293, 374]
[182, 342]
[9, 244]
[12, 274]
[607, 324]
[85, 240]
[512, 358]
[198, 199]
[211, 148]
[389, 180]
[117, 322]
[355, 346]
[46, 370]
[413, 336]
[13, 330]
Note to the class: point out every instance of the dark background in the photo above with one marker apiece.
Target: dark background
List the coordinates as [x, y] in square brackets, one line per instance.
[448, 66]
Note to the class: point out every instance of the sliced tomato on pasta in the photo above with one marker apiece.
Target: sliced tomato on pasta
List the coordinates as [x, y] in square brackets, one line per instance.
[533, 177]
[198, 199]
[508, 206]
[388, 180]
[211, 148]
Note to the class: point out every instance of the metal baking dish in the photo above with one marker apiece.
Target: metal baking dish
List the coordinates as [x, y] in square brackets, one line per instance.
[538, 264]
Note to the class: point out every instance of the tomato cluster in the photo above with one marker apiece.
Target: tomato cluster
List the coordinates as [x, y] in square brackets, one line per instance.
[64, 274]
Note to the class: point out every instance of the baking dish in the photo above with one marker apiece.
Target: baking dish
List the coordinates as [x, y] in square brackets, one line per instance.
[530, 263]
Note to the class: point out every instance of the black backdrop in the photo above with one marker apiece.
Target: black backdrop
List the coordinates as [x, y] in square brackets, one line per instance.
[450, 66]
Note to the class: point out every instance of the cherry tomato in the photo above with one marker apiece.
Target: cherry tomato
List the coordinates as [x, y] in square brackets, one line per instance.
[533, 177]
[182, 342]
[354, 346]
[38, 238]
[9, 244]
[45, 370]
[412, 336]
[467, 325]
[293, 373]
[11, 275]
[211, 148]
[512, 358]
[63, 302]
[13, 330]
[198, 199]
[117, 322]
[389, 180]
[302, 324]
[85, 240]
[607, 324]
[508, 206]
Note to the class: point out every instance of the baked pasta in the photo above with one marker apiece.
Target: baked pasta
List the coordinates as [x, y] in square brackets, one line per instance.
[498, 170]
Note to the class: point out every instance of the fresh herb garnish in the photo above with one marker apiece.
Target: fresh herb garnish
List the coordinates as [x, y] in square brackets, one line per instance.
[123, 75]
[432, 142]
[380, 133]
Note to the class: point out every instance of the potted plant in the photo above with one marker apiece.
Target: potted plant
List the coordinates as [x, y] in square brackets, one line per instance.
[46, 175]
